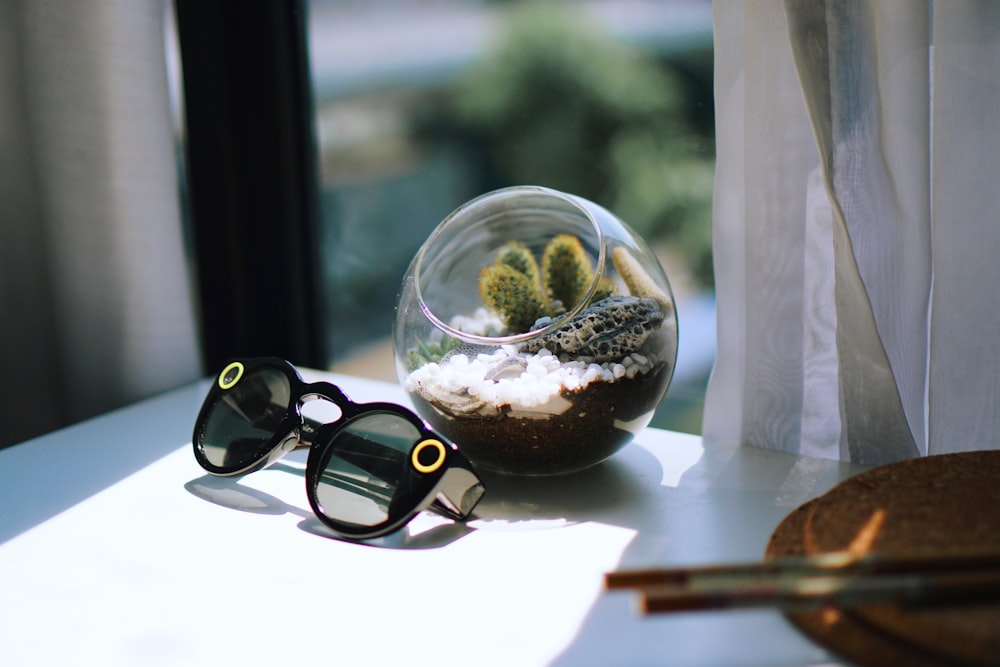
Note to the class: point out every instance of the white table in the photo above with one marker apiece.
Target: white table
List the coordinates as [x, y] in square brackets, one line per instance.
[116, 549]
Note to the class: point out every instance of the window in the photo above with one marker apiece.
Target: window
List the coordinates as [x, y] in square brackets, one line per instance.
[420, 106]
[417, 107]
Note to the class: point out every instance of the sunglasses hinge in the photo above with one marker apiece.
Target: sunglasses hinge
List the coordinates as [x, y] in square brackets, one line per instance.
[458, 493]
[444, 503]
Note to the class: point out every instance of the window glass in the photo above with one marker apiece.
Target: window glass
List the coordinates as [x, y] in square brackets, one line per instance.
[422, 105]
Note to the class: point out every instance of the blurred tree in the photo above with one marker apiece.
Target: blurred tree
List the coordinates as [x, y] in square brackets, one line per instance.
[564, 104]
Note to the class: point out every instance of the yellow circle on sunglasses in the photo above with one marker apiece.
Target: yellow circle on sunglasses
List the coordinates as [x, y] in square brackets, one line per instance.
[421, 446]
[227, 378]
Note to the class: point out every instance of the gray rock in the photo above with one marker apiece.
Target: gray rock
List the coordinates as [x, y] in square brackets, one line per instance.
[604, 331]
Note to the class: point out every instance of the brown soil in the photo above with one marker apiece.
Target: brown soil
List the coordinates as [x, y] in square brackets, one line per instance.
[602, 418]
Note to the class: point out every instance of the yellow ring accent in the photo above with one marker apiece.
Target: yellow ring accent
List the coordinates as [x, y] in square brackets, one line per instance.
[415, 456]
[223, 384]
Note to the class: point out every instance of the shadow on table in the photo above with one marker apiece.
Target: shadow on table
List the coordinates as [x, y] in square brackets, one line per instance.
[229, 492]
[722, 506]
[610, 489]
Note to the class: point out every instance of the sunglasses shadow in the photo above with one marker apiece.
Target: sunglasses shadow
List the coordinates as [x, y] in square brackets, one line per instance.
[228, 492]
[432, 538]
[613, 489]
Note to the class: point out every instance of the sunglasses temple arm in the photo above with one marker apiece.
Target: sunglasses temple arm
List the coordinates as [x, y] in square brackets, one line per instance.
[458, 492]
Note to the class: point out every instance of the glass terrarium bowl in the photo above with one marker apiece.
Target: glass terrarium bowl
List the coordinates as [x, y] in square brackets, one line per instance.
[535, 330]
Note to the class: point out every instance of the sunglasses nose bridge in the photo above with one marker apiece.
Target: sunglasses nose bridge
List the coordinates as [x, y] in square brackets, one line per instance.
[316, 409]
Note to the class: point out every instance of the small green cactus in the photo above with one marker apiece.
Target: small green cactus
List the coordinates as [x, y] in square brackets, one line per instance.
[518, 256]
[519, 292]
[566, 270]
[428, 352]
[512, 294]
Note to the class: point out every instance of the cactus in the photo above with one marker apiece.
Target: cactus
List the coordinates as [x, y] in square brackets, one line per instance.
[512, 295]
[638, 281]
[517, 255]
[520, 293]
[566, 270]
[428, 352]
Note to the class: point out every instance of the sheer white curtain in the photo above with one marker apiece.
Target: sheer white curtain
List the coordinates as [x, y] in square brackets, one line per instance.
[857, 227]
[94, 294]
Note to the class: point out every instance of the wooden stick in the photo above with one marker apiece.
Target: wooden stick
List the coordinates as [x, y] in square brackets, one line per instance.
[841, 579]
[817, 591]
[825, 563]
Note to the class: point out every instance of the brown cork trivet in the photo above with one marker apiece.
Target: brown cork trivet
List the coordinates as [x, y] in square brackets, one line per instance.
[840, 631]
[933, 503]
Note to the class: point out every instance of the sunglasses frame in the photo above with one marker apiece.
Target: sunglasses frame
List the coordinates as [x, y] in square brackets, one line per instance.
[456, 487]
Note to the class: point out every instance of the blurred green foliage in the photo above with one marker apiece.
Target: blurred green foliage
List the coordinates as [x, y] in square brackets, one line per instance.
[563, 103]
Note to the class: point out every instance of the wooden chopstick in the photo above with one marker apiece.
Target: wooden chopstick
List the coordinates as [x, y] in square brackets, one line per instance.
[817, 591]
[797, 582]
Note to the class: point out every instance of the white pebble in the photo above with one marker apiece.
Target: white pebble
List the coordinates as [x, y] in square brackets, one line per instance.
[551, 364]
[528, 379]
[537, 370]
[461, 381]
[488, 392]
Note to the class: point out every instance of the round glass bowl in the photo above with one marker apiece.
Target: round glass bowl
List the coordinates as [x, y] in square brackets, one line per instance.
[535, 330]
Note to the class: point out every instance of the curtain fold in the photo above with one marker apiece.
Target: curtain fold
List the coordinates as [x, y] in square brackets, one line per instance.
[829, 221]
[94, 269]
[964, 394]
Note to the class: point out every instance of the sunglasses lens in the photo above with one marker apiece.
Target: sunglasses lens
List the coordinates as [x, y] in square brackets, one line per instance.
[244, 419]
[366, 476]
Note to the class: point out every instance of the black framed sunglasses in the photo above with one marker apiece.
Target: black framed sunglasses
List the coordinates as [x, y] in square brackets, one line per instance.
[369, 472]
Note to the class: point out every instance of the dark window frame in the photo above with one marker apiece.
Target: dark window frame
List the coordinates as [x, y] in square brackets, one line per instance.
[252, 178]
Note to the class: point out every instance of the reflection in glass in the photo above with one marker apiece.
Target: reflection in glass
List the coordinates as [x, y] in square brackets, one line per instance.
[366, 468]
[246, 418]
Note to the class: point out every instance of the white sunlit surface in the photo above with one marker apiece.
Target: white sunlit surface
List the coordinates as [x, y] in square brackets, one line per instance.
[172, 567]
